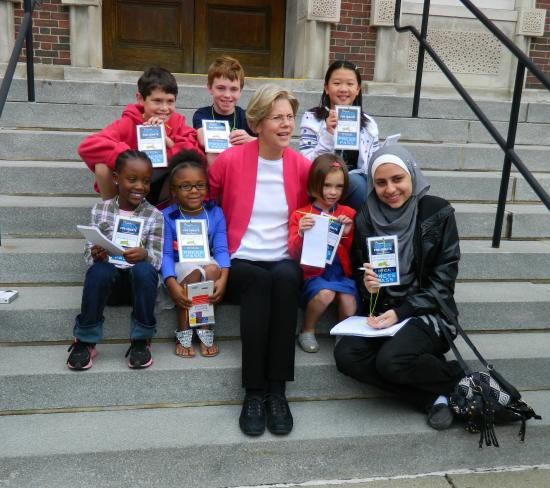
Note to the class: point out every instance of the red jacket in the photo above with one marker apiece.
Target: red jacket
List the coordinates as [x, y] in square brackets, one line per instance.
[232, 179]
[295, 241]
[105, 145]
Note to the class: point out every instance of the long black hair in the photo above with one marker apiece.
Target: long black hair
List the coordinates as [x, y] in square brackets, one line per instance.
[321, 112]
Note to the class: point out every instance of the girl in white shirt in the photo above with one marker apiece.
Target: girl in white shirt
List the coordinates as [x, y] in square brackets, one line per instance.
[342, 87]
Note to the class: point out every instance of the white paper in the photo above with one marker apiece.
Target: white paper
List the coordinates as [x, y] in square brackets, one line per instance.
[314, 247]
[216, 135]
[391, 140]
[93, 235]
[151, 139]
[383, 255]
[348, 127]
[357, 326]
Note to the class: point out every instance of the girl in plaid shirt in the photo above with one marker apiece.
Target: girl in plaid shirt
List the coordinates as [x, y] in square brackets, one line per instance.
[132, 280]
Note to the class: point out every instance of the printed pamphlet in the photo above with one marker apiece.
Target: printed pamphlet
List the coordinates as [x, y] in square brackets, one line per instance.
[201, 311]
[357, 326]
[335, 229]
[8, 296]
[216, 135]
[348, 127]
[126, 234]
[383, 255]
[193, 246]
[151, 140]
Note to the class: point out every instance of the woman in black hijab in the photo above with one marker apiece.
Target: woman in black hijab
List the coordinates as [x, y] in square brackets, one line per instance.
[411, 363]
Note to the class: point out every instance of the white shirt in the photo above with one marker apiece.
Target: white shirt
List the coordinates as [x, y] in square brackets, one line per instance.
[266, 238]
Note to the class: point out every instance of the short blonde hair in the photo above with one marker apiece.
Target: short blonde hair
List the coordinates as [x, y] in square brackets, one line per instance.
[262, 101]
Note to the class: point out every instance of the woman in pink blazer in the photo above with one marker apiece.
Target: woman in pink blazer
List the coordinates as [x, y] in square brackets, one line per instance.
[259, 184]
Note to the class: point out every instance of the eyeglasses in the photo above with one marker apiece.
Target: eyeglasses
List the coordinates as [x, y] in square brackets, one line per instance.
[188, 186]
[279, 119]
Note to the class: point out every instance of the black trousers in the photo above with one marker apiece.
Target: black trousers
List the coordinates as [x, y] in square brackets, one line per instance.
[410, 364]
[268, 293]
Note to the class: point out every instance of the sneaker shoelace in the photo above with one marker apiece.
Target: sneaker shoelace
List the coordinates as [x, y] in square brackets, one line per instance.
[253, 407]
[277, 406]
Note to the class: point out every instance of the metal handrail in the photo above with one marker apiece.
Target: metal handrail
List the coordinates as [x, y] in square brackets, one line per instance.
[508, 144]
[25, 34]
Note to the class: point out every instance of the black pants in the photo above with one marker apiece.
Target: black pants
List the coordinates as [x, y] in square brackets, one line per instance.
[410, 364]
[268, 293]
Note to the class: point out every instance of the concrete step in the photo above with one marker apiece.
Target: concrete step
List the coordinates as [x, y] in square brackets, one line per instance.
[357, 437]
[514, 260]
[192, 94]
[55, 177]
[43, 145]
[46, 216]
[39, 145]
[529, 133]
[524, 359]
[95, 117]
[43, 313]
[61, 261]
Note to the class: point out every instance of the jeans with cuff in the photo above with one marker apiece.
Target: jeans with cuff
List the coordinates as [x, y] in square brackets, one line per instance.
[107, 284]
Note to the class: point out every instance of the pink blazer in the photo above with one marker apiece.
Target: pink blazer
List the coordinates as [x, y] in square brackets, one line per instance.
[232, 179]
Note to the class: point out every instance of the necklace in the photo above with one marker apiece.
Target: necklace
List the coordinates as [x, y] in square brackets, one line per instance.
[234, 118]
[186, 213]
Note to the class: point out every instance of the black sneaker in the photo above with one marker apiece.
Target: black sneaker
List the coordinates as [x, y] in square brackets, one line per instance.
[252, 419]
[140, 354]
[279, 418]
[440, 416]
[82, 354]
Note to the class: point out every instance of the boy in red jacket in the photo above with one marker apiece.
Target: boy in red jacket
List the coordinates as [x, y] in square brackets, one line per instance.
[156, 104]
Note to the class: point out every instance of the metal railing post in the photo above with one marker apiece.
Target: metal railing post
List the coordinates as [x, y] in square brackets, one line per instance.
[30, 53]
[510, 143]
[420, 62]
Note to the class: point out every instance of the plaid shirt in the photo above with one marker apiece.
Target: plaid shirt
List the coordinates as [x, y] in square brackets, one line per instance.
[104, 215]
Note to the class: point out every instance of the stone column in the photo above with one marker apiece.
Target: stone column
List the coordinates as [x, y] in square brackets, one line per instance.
[312, 36]
[86, 33]
[7, 29]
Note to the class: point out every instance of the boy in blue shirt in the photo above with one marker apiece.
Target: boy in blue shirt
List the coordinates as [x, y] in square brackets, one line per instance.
[225, 85]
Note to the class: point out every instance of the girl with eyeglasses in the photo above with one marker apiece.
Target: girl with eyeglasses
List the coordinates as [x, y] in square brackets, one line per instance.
[342, 87]
[188, 183]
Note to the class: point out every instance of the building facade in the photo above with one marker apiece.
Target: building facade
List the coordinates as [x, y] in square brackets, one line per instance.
[274, 38]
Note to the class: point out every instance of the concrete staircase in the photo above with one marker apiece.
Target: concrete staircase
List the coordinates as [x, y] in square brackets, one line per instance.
[176, 423]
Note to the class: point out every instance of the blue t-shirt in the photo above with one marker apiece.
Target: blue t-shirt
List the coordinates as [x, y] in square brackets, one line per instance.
[236, 120]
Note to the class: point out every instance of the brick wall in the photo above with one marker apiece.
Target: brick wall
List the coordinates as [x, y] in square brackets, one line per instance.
[51, 32]
[539, 50]
[353, 39]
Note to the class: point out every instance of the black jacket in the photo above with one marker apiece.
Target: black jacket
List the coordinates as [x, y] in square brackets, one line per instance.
[436, 256]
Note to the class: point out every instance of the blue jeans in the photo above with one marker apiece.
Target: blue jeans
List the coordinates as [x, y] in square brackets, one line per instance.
[357, 191]
[102, 279]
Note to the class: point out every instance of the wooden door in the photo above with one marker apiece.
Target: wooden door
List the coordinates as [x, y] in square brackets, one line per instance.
[250, 30]
[187, 35]
[142, 33]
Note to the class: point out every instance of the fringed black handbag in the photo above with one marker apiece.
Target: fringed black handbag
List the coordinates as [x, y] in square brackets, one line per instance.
[483, 398]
